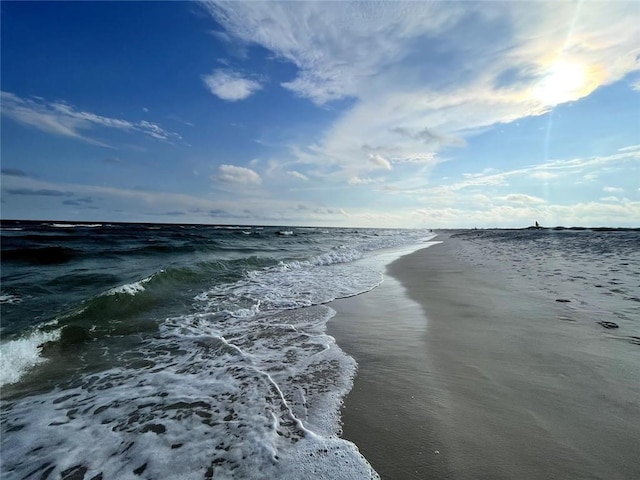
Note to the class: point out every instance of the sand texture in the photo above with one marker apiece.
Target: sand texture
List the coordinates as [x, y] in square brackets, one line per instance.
[470, 372]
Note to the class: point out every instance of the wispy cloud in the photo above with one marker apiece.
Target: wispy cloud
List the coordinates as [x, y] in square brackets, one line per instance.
[475, 194]
[138, 205]
[79, 202]
[14, 172]
[521, 198]
[360, 181]
[337, 47]
[297, 175]
[237, 175]
[379, 161]
[429, 137]
[230, 85]
[60, 118]
[557, 168]
[630, 148]
[414, 105]
[577, 214]
[42, 192]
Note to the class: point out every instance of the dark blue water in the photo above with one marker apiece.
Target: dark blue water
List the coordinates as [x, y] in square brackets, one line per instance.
[178, 351]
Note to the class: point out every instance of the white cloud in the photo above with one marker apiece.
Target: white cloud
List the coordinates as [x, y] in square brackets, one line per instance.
[359, 181]
[522, 199]
[558, 167]
[414, 104]
[229, 85]
[629, 148]
[450, 208]
[497, 188]
[336, 46]
[63, 119]
[379, 161]
[237, 175]
[297, 175]
[417, 157]
[610, 199]
[578, 214]
[612, 189]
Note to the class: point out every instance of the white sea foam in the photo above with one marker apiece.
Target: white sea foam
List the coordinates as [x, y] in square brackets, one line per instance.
[130, 288]
[220, 398]
[18, 356]
[297, 284]
[10, 298]
[288, 286]
[76, 225]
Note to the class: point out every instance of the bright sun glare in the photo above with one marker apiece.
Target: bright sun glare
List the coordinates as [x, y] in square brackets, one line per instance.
[563, 82]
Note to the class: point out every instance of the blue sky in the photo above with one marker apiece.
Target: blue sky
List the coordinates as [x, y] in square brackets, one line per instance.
[410, 114]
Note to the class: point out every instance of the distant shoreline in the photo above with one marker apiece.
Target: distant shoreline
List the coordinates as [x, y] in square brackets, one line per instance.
[452, 229]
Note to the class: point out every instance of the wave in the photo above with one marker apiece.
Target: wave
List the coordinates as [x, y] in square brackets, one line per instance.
[19, 356]
[10, 298]
[297, 283]
[75, 225]
[240, 381]
[242, 288]
[238, 403]
[130, 288]
[129, 307]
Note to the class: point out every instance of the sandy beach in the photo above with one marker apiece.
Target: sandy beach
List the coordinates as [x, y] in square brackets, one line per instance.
[468, 372]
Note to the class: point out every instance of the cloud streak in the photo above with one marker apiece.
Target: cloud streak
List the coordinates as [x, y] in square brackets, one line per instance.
[298, 175]
[14, 172]
[42, 192]
[60, 118]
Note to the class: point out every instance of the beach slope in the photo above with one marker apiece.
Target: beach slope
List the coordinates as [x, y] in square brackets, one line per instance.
[468, 372]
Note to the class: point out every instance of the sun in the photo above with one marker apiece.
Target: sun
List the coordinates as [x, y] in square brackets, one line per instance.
[564, 81]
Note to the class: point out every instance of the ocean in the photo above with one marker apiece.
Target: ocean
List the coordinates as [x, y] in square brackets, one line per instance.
[179, 351]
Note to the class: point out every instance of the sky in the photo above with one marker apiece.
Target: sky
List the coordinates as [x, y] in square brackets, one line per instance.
[374, 114]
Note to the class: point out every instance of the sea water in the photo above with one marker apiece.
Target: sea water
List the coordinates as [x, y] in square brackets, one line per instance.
[158, 351]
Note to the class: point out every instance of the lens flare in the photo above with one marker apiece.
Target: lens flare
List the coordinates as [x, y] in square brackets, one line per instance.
[564, 81]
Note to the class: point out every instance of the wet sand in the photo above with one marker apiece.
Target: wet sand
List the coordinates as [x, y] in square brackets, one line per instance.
[467, 374]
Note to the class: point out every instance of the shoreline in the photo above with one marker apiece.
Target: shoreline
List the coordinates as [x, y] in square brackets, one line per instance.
[466, 373]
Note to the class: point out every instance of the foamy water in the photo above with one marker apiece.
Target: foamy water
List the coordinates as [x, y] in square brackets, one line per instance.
[212, 394]
[19, 356]
[243, 383]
